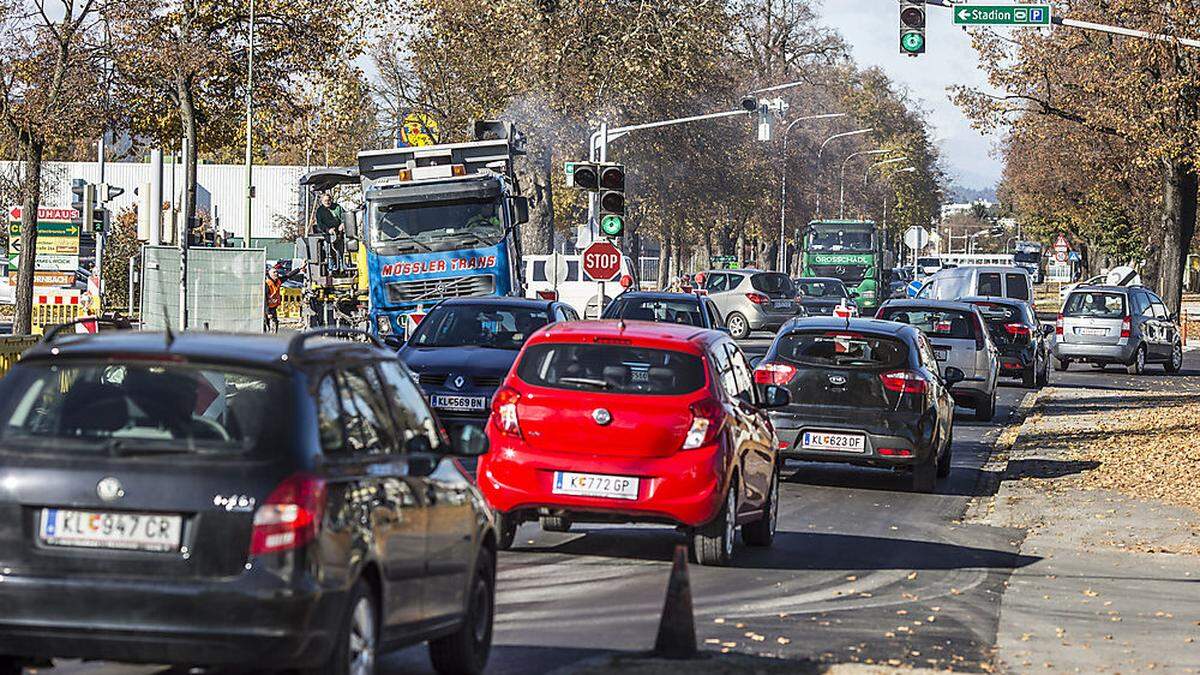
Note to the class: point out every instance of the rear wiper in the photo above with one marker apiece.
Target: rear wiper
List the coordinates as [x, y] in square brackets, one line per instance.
[585, 381]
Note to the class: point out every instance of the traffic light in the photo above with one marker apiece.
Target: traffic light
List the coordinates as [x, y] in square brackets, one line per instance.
[78, 190]
[110, 192]
[912, 27]
[583, 175]
[612, 199]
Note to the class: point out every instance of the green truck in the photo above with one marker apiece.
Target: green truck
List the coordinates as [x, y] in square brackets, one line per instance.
[852, 251]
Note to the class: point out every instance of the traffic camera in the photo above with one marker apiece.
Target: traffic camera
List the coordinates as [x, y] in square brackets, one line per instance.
[612, 200]
[912, 27]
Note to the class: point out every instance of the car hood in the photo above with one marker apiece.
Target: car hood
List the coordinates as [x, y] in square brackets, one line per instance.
[467, 360]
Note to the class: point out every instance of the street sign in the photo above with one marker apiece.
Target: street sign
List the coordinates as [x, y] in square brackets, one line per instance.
[1061, 256]
[1001, 15]
[601, 261]
[916, 237]
[913, 288]
[1061, 245]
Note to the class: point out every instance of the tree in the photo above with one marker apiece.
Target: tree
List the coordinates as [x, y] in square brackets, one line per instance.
[49, 89]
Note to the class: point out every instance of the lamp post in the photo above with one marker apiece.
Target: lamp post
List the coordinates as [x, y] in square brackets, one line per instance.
[249, 131]
[821, 153]
[782, 261]
[842, 180]
[886, 162]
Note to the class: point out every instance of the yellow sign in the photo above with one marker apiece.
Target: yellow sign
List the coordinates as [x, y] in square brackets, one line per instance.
[417, 130]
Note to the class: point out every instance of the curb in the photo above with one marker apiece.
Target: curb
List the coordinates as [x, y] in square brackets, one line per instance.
[991, 473]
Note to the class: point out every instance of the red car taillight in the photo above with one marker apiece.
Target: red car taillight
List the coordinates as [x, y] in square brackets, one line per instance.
[1058, 325]
[1126, 327]
[291, 516]
[504, 411]
[758, 298]
[778, 374]
[905, 382]
[1018, 329]
[708, 417]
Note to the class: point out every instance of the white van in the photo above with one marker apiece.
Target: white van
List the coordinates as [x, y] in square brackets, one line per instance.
[996, 281]
[581, 294]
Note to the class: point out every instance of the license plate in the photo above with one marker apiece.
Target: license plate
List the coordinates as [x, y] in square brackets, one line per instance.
[821, 440]
[941, 354]
[782, 304]
[1091, 331]
[127, 531]
[594, 485]
[459, 403]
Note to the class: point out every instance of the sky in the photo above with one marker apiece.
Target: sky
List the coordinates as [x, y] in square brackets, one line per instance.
[871, 27]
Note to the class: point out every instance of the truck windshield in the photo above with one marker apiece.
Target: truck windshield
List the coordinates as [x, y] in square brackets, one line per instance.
[842, 239]
[1026, 257]
[438, 226]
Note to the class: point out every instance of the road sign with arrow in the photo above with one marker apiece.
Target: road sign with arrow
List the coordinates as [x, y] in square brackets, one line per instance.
[1001, 15]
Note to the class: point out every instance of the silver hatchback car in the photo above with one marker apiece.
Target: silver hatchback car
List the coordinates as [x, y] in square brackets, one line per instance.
[751, 300]
[1117, 325]
[960, 339]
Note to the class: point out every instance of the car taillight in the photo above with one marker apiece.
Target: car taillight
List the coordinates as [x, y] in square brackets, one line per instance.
[1126, 327]
[905, 382]
[895, 452]
[1018, 329]
[291, 516]
[1058, 325]
[757, 298]
[774, 373]
[504, 411]
[708, 416]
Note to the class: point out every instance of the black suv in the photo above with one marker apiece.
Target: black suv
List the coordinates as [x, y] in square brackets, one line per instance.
[212, 499]
[689, 309]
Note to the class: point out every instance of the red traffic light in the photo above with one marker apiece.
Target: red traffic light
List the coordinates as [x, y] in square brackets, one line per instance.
[612, 177]
[913, 17]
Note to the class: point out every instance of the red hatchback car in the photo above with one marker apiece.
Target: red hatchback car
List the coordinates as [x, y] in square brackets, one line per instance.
[613, 421]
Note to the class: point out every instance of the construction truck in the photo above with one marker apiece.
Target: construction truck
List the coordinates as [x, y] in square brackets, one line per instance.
[437, 222]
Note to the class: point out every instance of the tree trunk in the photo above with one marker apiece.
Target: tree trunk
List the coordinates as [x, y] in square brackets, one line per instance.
[1178, 228]
[537, 236]
[31, 188]
[187, 117]
[664, 260]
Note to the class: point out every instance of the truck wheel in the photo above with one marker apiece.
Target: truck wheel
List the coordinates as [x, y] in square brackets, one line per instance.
[465, 651]
[924, 476]
[985, 410]
[1138, 366]
[1175, 363]
[712, 543]
[739, 327]
[762, 531]
[555, 523]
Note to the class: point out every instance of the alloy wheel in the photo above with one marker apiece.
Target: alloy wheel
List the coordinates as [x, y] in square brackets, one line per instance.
[1177, 356]
[362, 639]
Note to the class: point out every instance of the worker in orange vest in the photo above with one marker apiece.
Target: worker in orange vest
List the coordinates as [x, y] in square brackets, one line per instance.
[273, 286]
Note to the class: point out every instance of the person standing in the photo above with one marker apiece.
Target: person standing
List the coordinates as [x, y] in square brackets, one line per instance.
[327, 222]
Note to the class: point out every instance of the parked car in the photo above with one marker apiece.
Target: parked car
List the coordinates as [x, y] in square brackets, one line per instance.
[997, 281]
[1119, 325]
[1122, 275]
[959, 338]
[254, 502]
[461, 351]
[820, 295]
[688, 309]
[863, 392]
[1023, 341]
[751, 300]
[634, 422]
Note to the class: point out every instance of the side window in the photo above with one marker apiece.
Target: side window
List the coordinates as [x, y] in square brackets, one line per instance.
[1160, 309]
[539, 270]
[724, 371]
[742, 376]
[713, 315]
[572, 270]
[366, 415]
[926, 353]
[329, 417]
[1018, 286]
[716, 283]
[735, 280]
[409, 409]
[572, 315]
[989, 284]
[1141, 304]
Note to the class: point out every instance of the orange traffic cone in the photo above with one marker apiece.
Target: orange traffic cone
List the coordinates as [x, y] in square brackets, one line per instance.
[677, 628]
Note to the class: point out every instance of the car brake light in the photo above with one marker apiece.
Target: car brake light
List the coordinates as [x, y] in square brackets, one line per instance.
[1126, 327]
[504, 409]
[708, 416]
[1019, 329]
[895, 452]
[905, 382]
[774, 373]
[757, 298]
[1058, 325]
[291, 516]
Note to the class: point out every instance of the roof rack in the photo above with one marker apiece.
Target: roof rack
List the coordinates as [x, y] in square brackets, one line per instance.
[296, 344]
[120, 323]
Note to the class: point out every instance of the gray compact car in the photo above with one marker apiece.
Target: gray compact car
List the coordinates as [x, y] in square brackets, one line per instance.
[1117, 325]
[752, 300]
[960, 338]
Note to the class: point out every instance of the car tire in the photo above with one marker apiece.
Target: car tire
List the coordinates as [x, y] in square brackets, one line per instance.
[712, 543]
[761, 532]
[1043, 377]
[555, 523]
[943, 463]
[506, 530]
[1030, 377]
[985, 410]
[739, 327]
[923, 477]
[1175, 363]
[1061, 364]
[465, 651]
[356, 645]
[1138, 366]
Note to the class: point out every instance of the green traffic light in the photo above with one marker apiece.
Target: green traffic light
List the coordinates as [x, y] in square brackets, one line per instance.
[912, 43]
[612, 226]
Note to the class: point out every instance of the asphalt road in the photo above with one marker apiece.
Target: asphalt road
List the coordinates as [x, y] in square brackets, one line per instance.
[861, 570]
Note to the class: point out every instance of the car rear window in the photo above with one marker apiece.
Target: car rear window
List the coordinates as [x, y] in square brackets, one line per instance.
[774, 285]
[994, 312]
[989, 283]
[141, 408]
[943, 323]
[822, 289]
[1095, 304]
[685, 312]
[842, 349]
[1018, 286]
[619, 369]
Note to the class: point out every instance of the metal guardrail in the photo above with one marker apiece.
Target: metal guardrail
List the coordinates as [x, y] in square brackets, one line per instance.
[11, 348]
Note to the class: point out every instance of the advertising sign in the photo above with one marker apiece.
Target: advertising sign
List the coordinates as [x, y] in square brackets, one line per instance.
[57, 254]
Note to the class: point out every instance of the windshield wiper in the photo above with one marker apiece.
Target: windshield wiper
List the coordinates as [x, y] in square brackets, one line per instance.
[585, 381]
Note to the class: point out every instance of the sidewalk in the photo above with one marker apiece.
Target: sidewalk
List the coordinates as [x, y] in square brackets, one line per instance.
[1105, 481]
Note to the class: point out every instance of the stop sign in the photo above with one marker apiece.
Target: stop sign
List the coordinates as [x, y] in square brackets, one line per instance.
[601, 261]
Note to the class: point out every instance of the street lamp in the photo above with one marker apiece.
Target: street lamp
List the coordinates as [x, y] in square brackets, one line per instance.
[885, 163]
[842, 179]
[821, 153]
[249, 131]
[783, 183]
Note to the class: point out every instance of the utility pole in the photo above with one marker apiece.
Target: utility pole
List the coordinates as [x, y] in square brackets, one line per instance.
[182, 231]
[782, 259]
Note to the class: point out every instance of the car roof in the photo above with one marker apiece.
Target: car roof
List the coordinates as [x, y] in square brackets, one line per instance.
[498, 301]
[996, 299]
[861, 325]
[1105, 287]
[936, 304]
[824, 279]
[674, 336]
[658, 295]
[744, 271]
[986, 268]
[237, 349]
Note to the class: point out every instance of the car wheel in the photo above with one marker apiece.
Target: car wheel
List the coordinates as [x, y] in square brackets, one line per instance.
[924, 476]
[986, 409]
[738, 326]
[357, 641]
[1061, 364]
[1139, 362]
[1043, 377]
[506, 530]
[1029, 377]
[943, 464]
[465, 651]
[555, 523]
[713, 542]
[1175, 363]
[762, 531]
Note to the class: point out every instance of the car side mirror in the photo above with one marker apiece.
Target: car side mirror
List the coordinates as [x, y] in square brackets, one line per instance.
[393, 341]
[774, 397]
[520, 207]
[953, 376]
[351, 245]
[470, 441]
[1047, 330]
